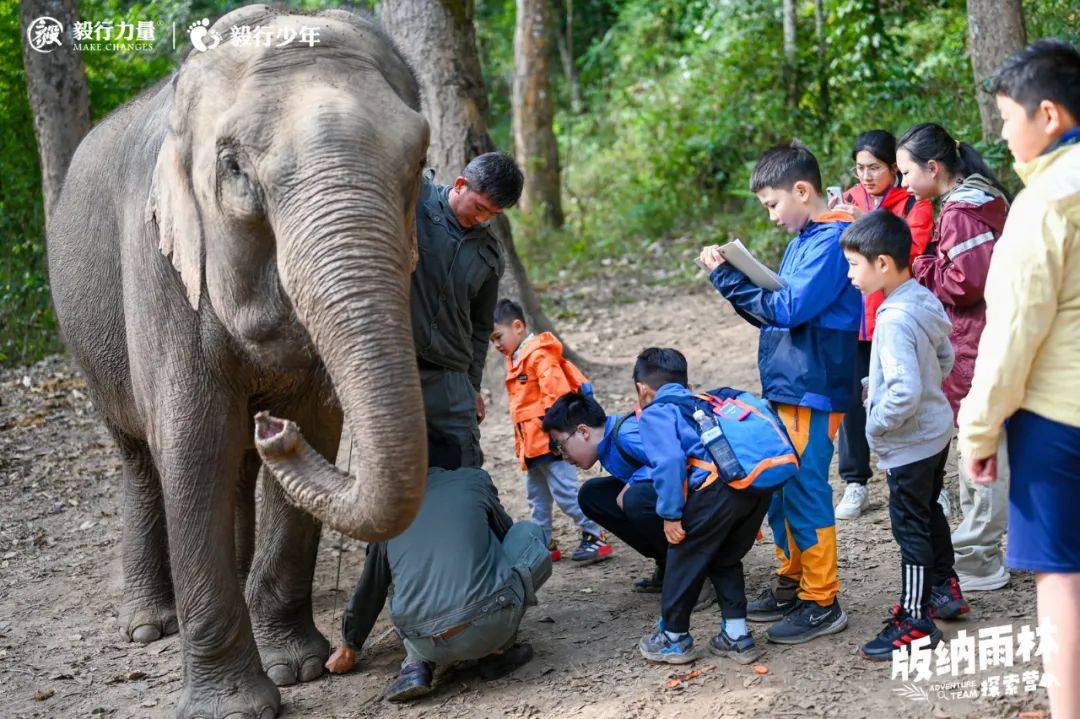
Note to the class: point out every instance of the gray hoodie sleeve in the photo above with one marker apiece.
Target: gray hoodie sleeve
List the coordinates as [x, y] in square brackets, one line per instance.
[945, 356]
[901, 382]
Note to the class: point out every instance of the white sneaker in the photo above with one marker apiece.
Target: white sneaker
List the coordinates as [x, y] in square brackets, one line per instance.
[943, 500]
[984, 584]
[856, 498]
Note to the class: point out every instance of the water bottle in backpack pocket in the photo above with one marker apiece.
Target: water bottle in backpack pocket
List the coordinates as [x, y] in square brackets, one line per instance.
[746, 440]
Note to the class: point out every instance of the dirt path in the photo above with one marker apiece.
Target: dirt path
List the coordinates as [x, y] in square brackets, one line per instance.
[60, 574]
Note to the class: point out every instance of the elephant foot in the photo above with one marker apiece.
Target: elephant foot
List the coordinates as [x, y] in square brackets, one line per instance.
[294, 656]
[249, 696]
[149, 622]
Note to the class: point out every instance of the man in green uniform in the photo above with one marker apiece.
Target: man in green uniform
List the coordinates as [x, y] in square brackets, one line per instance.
[454, 291]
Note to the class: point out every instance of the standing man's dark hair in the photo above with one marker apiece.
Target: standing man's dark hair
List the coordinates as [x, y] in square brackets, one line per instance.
[496, 176]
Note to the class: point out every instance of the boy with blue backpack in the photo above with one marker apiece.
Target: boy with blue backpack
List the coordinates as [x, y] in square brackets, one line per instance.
[809, 329]
[713, 481]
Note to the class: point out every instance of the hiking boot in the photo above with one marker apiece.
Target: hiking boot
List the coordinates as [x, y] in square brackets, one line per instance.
[743, 650]
[659, 647]
[854, 502]
[807, 621]
[653, 584]
[553, 547]
[900, 631]
[768, 607]
[412, 681]
[592, 549]
[946, 601]
[497, 666]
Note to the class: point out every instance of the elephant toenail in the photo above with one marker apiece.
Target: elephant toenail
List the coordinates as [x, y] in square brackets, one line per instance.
[238, 715]
[145, 633]
[267, 713]
[312, 668]
[281, 675]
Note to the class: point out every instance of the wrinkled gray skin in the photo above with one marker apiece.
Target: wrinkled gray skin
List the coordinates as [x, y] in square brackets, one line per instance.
[238, 240]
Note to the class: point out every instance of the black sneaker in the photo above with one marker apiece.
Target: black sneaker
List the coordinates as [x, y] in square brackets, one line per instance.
[743, 650]
[768, 608]
[592, 549]
[806, 621]
[412, 681]
[946, 601]
[653, 584]
[900, 631]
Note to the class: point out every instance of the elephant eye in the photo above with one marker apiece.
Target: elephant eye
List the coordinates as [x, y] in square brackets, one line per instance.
[231, 165]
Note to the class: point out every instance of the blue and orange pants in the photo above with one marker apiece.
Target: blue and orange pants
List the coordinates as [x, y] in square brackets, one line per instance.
[801, 513]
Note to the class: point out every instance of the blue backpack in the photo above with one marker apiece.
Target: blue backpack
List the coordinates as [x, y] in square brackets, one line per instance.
[752, 450]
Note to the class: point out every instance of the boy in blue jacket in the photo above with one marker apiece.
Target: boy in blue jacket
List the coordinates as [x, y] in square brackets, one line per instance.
[809, 329]
[708, 525]
[623, 503]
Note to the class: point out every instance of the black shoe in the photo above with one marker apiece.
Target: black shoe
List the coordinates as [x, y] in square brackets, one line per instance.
[946, 601]
[653, 584]
[412, 681]
[497, 666]
[743, 650]
[806, 621]
[768, 608]
[900, 631]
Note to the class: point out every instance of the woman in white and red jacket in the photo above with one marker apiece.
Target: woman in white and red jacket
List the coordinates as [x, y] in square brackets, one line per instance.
[972, 215]
[878, 188]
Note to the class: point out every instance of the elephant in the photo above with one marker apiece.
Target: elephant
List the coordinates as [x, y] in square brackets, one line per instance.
[229, 262]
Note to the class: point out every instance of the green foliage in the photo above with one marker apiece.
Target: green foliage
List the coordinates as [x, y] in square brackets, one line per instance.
[684, 95]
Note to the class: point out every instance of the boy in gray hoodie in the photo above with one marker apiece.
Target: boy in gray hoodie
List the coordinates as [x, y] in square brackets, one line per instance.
[909, 425]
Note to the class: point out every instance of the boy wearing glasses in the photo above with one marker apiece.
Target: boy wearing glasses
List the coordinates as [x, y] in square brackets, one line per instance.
[536, 375]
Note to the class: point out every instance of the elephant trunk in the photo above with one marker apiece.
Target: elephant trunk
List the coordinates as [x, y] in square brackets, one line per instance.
[349, 285]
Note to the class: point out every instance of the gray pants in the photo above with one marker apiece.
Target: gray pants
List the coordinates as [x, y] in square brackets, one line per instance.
[558, 480]
[527, 553]
[977, 541]
[450, 407]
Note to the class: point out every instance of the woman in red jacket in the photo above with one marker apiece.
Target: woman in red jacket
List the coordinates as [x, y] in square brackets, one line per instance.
[874, 155]
[970, 220]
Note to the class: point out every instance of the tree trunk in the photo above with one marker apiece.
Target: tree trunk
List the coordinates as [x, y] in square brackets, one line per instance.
[790, 54]
[439, 41]
[534, 110]
[824, 105]
[59, 99]
[995, 31]
[565, 39]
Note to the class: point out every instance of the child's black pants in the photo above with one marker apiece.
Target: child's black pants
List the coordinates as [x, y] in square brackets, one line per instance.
[920, 528]
[720, 524]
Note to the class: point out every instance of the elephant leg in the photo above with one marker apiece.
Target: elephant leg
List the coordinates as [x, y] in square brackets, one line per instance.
[279, 588]
[245, 514]
[200, 460]
[149, 611]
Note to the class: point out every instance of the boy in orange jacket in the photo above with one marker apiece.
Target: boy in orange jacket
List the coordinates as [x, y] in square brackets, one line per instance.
[536, 376]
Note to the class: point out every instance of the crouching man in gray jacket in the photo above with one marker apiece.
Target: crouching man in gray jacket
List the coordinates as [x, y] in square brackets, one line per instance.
[462, 575]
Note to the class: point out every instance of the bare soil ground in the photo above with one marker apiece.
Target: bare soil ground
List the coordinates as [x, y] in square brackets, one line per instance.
[61, 654]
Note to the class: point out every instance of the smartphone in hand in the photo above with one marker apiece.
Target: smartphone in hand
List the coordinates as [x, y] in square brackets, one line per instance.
[832, 195]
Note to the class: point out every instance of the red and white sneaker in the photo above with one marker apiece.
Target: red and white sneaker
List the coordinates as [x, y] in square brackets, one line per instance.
[592, 549]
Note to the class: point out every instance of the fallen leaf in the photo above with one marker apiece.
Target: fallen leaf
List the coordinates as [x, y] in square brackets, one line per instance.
[43, 694]
[681, 679]
[1035, 714]
[761, 669]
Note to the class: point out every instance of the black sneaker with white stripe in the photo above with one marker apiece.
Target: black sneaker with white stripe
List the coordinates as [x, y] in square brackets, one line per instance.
[806, 621]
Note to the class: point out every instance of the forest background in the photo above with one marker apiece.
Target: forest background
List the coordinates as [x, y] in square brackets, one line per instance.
[653, 113]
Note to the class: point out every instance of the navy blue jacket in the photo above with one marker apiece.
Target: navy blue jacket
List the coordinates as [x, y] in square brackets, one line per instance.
[630, 441]
[670, 440]
[809, 327]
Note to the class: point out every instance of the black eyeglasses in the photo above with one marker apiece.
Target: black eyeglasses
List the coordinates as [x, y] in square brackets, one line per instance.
[556, 447]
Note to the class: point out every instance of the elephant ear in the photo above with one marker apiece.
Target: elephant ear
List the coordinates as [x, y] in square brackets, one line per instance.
[172, 207]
